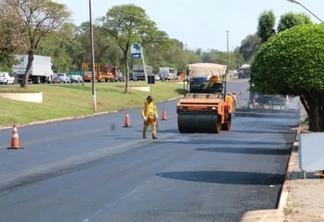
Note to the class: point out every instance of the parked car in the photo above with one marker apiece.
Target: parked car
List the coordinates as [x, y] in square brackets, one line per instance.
[132, 77]
[64, 78]
[5, 78]
[76, 78]
[55, 78]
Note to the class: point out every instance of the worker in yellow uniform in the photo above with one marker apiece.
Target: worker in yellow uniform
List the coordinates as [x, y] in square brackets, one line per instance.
[150, 116]
[229, 101]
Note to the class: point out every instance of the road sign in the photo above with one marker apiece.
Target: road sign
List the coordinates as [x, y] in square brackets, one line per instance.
[136, 51]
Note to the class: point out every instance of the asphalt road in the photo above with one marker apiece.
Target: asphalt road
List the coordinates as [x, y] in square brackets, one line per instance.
[94, 169]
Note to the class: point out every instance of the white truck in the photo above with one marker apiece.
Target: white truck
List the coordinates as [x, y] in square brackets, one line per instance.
[41, 70]
[167, 73]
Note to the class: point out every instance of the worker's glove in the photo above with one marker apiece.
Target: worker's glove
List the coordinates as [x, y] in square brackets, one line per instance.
[156, 116]
[145, 118]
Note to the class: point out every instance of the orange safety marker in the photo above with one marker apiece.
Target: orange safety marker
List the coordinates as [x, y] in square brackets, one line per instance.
[127, 121]
[15, 144]
[164, 116]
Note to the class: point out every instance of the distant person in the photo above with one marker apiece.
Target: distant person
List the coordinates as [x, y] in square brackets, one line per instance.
[229, 100]
[150, 116]
[235, 101]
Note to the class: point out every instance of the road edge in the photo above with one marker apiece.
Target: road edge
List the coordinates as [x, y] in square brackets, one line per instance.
[270, 215]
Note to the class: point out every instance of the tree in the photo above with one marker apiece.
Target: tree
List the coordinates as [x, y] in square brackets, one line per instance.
[192, 56]
[249, 47]
[39, 18]
[291, 19]
[291, 63]
[11, 36]
[266, 25]
[238, 58]
[107, 52]
[163, 52]
[63, 48]
[129, 24]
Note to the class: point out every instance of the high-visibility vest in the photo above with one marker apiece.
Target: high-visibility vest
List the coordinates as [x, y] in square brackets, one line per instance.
[150, 110]
[229, 99]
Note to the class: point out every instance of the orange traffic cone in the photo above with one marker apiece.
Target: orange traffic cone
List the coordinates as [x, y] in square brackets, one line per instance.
[164, 116]
[15, 144]
[127, 121]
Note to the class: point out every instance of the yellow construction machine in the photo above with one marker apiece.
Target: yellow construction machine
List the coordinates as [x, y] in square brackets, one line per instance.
[203, 109]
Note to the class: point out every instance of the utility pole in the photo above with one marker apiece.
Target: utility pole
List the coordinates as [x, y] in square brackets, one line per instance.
[92, 61]
[227, 56]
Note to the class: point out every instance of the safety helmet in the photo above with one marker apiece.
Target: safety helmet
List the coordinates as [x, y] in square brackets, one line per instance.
[149, 98]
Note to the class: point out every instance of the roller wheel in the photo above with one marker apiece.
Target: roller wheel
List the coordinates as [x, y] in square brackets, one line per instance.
[228, 123]
[218, 124]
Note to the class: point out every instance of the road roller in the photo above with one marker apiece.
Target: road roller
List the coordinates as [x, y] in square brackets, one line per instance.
[203, 109]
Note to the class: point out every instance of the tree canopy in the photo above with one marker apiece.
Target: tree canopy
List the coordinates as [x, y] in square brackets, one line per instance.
[249, 47]
[129, 24]
[291, 63]
[36, 19]
[291, 19]
[266, 25]
[69, 45]
[11, 36]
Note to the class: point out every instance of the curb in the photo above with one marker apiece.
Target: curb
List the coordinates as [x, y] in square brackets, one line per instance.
[74, 117]
[286, 186]
[277, 214]
[59, 119]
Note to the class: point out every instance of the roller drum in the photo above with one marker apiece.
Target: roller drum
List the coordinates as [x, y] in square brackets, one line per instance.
[198, 123]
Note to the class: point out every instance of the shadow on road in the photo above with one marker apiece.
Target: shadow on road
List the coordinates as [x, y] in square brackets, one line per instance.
[225, 177]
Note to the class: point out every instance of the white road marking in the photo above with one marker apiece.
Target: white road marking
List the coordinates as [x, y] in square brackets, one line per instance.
[116, 202]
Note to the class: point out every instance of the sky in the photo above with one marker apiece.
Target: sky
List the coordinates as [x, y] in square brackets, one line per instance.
[204, 24]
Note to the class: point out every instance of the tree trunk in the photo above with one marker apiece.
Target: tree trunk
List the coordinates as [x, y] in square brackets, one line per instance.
[24, 82]
[314, 106]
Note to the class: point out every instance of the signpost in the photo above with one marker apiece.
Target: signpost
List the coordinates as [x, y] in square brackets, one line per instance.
[137, 53]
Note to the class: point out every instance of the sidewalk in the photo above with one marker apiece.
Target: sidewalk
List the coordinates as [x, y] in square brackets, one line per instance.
[301, 199]
[305, 196]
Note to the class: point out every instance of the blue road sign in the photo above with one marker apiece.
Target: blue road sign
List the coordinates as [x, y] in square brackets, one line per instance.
[136, 51]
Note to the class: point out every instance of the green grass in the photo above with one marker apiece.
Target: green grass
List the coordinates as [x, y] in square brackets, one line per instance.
[65, 100]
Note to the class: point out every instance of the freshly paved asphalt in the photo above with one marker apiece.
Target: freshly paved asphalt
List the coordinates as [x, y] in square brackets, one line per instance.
[93, 169]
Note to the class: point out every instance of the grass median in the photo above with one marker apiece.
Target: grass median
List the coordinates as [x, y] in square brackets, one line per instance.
[74, 100]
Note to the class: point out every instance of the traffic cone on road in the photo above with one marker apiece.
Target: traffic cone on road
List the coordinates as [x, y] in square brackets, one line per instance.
[127, 121]
[15, 144]
[164, 116]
